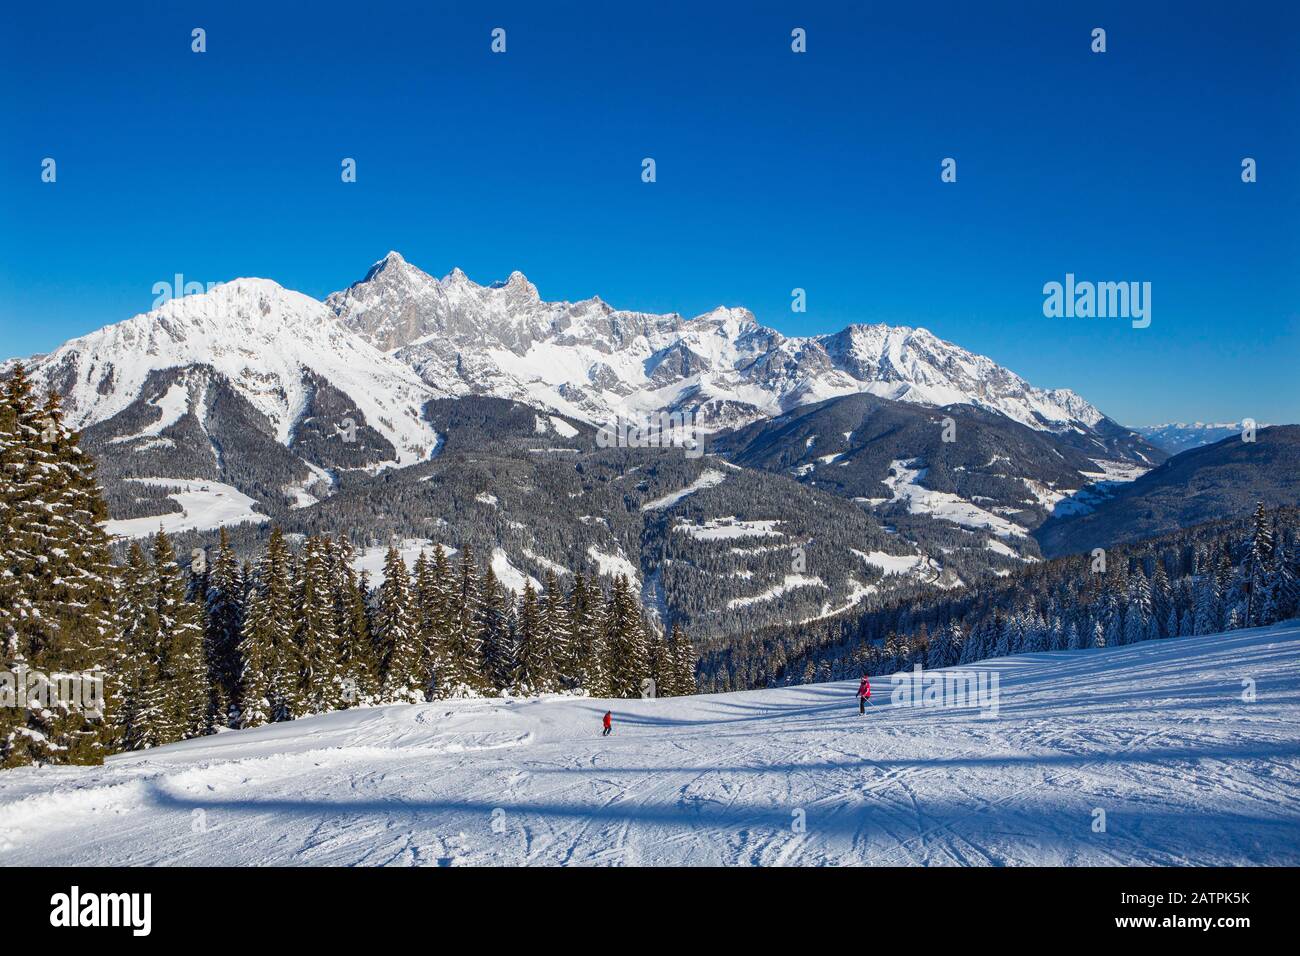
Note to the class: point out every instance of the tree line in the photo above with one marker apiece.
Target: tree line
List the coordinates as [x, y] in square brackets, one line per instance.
[1203, 580]
[185, 650]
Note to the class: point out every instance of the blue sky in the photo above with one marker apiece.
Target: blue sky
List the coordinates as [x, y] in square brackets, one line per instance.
[775, 170]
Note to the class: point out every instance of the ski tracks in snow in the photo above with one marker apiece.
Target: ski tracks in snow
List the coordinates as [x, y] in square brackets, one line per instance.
[1155, 735]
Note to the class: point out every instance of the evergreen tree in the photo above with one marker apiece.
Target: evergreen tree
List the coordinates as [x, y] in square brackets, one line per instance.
[1257, 566]
[141, 716]
[320, 687]
[1209, 614]
[683, 662]
[57, 583]
[224, 598]
[182, 664]
[534, 663]
[661, 671]
[629, 659]
[401, 657]
[587, 637]
[357, 667]
[466, 650]
[556, 631]
[499, 662]
[268, 670]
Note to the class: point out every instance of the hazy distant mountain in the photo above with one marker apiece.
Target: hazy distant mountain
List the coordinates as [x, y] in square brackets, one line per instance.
[1175, 437]
[1223, 480]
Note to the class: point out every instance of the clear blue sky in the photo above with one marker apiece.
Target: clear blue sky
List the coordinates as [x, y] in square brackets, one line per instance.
[775, 170]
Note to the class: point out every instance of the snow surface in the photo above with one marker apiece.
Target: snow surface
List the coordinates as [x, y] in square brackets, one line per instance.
[205, 505]
[509, 576]
[173, 405]
[789, 583]
[726, 529]
[612, 565]
[709, 478]
[905, 482]
[1155, 734]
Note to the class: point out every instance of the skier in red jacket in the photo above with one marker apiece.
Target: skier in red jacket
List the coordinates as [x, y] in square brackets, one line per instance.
[609, 720]
[864, 692]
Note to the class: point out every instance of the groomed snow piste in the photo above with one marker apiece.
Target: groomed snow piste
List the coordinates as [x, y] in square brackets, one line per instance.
[1157, 736]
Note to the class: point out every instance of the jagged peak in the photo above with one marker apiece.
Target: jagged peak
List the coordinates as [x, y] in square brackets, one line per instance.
[391, 264]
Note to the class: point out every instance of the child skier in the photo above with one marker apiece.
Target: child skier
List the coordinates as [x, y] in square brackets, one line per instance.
[609, 720]
[864, 692]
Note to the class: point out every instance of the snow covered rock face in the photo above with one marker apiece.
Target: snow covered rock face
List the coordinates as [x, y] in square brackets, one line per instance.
[278, 394]
[595, 362]
[399, 337]
[274, 347]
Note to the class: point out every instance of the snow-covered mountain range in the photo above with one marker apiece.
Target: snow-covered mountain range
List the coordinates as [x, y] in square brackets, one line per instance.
[269, 343]
[400, 337]
[592, 361]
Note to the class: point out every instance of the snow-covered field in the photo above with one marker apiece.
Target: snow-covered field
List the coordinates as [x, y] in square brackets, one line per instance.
[204, 504]
[1157, 736]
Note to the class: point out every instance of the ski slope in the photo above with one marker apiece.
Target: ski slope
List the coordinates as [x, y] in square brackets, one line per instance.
[1156, 735]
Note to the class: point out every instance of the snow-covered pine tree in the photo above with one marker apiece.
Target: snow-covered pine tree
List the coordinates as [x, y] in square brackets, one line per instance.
[534, 665]
[57, 583]
[1161, 601]
[358, 668]
[629, 662]
[314, 636]
[182, 665]
[1137, 616]
[1209, 613]
[463, 606]
[556, 629]
[436, 593]
[586, 636]
[225, 621]
[141, 717]
[1114, 634]
[401, 658]
[498, 653]
[661, 671]
[1099, 630]
[1257, 566]
[683, 661]
[267, 668]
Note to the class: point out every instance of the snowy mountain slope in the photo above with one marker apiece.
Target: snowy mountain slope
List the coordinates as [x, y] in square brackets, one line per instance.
[272, 345]
[677, 527]
[205, 386]
[958, 464]
[593, 361]
[1156, 735]
[1224, 480]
